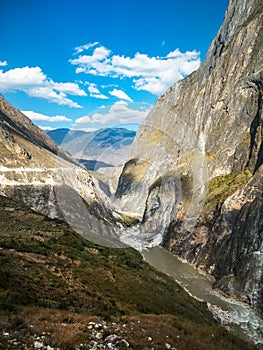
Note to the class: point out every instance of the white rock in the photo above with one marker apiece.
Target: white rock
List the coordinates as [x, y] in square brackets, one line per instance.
[123, 342]
[98, 336]
[38, 345]
[111, 338]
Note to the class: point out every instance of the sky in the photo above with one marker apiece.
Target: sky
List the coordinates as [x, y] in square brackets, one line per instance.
[88, 64]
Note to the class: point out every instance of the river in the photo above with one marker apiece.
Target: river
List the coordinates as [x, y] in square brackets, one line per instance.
[235, 315]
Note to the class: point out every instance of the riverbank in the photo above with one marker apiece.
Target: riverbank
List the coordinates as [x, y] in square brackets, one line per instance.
[232, 314]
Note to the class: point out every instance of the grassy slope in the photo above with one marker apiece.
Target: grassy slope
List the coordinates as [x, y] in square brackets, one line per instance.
[47, 269]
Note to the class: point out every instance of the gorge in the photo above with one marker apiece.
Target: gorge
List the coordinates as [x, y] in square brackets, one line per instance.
[196, 172]
[194, 180]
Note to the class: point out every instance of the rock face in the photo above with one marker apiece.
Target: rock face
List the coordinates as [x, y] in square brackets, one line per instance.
[203, 141]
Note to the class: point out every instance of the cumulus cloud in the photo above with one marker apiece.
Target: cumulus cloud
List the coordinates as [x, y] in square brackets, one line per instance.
[99, 55]
[120, 94]
[3, 63]
[42, 117]
[94, 91]
[35, 83]
[153, 74]
[119, 113]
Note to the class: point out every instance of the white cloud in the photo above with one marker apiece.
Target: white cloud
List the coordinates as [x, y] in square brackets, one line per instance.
[86, 129]
[153, 74]
[80, 70]
[85, 47]
[21, 78]
[99, 54]
[3, 63]
[68, 88]
[48, 94]
[119, 113]
[120, 94]
[46, 128]
[94, 92]
[35, 83]
[42, 117]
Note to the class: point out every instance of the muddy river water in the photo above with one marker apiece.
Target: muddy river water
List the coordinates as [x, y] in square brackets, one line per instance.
[238, 316]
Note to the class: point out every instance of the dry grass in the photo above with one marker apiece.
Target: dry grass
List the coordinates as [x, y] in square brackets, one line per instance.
[66, 335]
[58, 285]
[67, 330]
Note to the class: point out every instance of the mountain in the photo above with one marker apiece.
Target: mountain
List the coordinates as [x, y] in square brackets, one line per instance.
[58, 135]
[15, 126]
[110, 146]
[193, 184]
[195, 175]
[56, 288]
[33, 170]
[57, 284]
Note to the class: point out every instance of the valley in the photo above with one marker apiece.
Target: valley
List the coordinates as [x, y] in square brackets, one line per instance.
[84, 214]
[54, 283]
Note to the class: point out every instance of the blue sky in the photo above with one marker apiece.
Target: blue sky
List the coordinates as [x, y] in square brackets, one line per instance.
[89, 64]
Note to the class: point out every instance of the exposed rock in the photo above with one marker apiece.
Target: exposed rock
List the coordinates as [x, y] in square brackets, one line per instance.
[38, 345]
[35, 171]
[163, 195]
[208, 128]
[239, 255]
[15, 121]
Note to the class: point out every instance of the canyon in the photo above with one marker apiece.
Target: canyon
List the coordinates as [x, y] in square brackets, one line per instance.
[193, 183]
[195, 176]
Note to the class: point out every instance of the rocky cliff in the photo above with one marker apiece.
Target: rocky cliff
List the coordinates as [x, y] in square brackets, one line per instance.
[196, 171]
[13, 119]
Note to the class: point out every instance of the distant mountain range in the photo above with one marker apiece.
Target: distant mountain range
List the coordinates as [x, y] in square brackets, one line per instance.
[101, 148]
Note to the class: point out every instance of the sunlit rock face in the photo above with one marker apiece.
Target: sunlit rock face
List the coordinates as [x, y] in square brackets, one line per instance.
[196, 168]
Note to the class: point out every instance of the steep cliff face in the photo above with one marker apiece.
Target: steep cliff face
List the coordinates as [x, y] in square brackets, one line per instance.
[218, 107]
[206, 133]
[237, 243]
